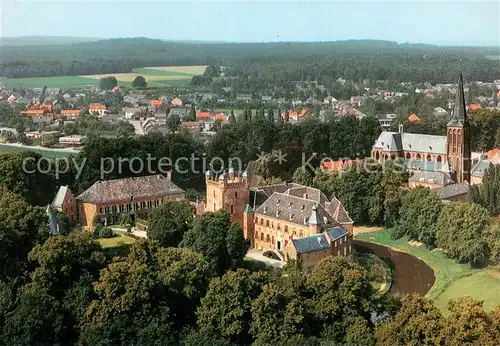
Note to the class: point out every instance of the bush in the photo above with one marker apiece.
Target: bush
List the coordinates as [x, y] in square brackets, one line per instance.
[106, 233]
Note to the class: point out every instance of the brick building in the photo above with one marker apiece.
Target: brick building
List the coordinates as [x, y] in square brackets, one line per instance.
[110, 199]
[290, 220]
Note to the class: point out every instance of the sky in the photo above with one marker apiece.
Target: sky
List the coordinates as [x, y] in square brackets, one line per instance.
[435, 22]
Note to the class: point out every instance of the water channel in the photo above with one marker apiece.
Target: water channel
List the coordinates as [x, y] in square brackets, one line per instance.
[410, 275]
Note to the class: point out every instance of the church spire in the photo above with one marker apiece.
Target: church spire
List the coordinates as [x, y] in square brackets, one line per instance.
[459, 110]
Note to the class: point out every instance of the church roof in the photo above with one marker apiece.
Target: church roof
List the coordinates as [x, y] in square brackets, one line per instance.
[396, 141]
[459, 113]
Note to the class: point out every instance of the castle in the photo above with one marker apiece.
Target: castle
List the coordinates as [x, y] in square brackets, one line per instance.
[290, 220]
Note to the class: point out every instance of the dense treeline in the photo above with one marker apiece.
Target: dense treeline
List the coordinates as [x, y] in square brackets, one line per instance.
[259, 63]
[66, 290]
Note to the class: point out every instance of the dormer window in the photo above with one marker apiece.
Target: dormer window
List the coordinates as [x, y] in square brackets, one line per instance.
[325, 220]
[302, 207]
[278, 202]
[291, 216]
[278, 213]
[306, 220]
[290, 205]
[265, 210]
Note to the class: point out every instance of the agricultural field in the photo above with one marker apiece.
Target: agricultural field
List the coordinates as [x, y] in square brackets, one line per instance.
[162, 76]
[48, 153]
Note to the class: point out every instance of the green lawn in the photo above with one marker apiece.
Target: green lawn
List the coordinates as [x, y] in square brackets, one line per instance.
[50, 154]
[63, 82]
[453, 280]
[121, 239]
[152, 72]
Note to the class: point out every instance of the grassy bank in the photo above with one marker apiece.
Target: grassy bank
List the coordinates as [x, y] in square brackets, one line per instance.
[453, 280]
[119, 240]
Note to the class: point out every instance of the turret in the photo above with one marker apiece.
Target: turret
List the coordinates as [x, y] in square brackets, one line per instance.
[314, 221]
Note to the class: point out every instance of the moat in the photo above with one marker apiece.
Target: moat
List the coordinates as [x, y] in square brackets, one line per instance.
[410, 275]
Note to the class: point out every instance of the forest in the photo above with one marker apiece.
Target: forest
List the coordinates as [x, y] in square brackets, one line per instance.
[261, 64]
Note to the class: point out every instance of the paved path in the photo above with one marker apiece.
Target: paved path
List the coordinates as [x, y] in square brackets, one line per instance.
[258, 256]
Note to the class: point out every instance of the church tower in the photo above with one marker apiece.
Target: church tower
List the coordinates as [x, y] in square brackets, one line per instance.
[458, 149]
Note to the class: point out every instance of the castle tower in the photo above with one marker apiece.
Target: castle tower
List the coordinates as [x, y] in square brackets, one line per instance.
[458, 148]
[228, 192]
[248, 224]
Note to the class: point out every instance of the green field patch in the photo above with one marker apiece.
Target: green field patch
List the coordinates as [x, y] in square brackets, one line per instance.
[453, 279]
[119, 240]
[151, 72]
[169, 82]
[492, 57]
[63, 82]
[48, 153]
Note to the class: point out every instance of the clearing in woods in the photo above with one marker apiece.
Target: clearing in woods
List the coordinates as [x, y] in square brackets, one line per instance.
[155, 76]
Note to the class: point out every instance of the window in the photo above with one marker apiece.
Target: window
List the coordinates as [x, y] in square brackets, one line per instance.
[214, 193]
[286, 228]
[232, 209]
[214, 207]
[262, 236]
[236, 194]
[267, 223]
[100, 210]
[261, 221]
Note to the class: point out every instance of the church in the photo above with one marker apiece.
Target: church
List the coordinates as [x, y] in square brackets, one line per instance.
[444, 163]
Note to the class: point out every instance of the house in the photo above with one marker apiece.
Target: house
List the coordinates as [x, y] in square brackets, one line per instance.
[65, 203]
[180, 112]
[203, 115]
[220, 117]
[132, 101]
[474, 106]
[130, 112]
[156, 103]
[109, 200]
[177, 102]
[98, 109]
[73, 140]
[329, 100]
[192, 126]
[438, 111]
[151, 125]
[414, 118]
[294, 116]
[32, 112]
[70, 114]
[41, 134]
[284, 219]
[52, 91]
[454, 192]
[386, 120]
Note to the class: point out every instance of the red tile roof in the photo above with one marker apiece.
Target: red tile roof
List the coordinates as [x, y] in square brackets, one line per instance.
[156, 103]
[221, 116]
[202, 115]
[414, 118]
[97, 106]
[70, 112]
[474, 106]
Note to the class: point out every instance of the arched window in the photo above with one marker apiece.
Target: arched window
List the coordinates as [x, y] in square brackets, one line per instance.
[377, 155]
[439, 158]
[429, 158]
[418, 157]
[408, 156]
[393, 157]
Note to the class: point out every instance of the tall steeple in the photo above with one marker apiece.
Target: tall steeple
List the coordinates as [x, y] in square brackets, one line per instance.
[459, 110]
[458, 148]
